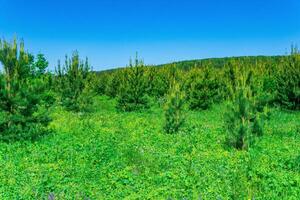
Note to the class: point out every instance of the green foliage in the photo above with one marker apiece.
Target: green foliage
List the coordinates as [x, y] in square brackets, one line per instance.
[174, 110]
[158, 84]
[238, 123]
[209, 81]
[221, 62]
[288, 81]
[40, 65]
[127, 156]
[245, 115]
[22, 112]
[114, 84]
[132, 94]
[231, 79]
[101, 83]
[136, 159]
[204, 90]
[72, 83]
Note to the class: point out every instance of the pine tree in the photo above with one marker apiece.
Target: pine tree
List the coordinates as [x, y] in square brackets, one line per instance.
[40, 65]
[101, 83]
[72, 83]
[152, 79]
[114, 83]
[244, 119]
[133, 90]
[23, 115]
[231, 78]
[204, 90]
[174, 109]
[288, 81]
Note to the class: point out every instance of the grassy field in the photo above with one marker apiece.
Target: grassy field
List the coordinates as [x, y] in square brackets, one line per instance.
[112, 155]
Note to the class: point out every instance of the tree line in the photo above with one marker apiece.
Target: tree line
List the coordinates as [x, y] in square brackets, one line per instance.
[249, 86]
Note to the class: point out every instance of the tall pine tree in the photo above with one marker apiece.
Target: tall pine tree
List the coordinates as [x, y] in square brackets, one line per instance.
[21, 94]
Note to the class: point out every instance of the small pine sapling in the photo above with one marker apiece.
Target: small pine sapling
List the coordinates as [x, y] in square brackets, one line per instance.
[244, 118]
[174, 110]
[133, 90]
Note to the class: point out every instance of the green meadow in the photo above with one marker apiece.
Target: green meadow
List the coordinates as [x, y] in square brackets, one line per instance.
[111, 155]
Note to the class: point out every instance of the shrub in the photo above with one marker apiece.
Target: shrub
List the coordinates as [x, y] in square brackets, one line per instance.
[174, 110]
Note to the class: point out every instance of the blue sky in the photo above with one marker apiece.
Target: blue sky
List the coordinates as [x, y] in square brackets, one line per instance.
[110, 31]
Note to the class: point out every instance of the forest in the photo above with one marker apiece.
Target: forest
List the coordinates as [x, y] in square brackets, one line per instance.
[220, 128]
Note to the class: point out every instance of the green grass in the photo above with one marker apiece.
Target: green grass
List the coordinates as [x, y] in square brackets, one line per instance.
[112, 155]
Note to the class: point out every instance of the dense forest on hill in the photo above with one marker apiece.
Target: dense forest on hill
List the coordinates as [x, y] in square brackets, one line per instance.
[221, 62]
[220, 128]
[216, 62]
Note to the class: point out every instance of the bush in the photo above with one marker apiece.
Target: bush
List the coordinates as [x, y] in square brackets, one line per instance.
[174, 110]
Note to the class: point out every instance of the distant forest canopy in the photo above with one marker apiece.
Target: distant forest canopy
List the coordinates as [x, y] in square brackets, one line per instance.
[215, 62]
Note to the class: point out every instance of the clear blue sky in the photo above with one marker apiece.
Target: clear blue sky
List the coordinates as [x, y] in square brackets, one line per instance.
[110, 31]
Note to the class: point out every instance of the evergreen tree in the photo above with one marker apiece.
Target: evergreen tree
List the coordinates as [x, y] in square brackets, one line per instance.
[288, 81]
[231, 78]
[101, 83]
[72, 83]
[23, 115]
[40, 64]
[174, 110]
[133, 90]
[244, 118]
[114, 83]
[152, 78]
[204, 90]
